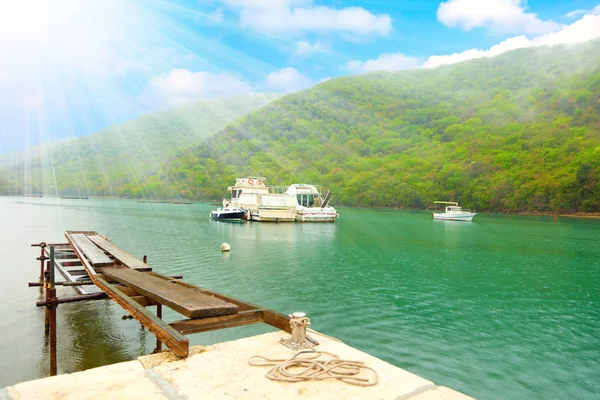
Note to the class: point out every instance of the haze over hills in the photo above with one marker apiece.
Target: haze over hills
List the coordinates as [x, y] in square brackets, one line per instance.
[517, 132]
[104, 162]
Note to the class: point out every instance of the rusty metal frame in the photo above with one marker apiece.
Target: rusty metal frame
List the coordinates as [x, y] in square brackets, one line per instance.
[174, 340]
[172, 335]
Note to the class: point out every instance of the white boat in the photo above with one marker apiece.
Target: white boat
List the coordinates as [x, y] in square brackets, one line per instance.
[452, 212]
[310, 206]
[260, 201]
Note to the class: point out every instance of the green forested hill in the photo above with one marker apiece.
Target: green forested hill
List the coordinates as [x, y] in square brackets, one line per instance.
[103, 163]
[517, 132]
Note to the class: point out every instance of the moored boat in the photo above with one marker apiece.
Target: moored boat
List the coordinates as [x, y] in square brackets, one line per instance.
[228, 213]
[453, 212]
[261, 202]
[310, 206]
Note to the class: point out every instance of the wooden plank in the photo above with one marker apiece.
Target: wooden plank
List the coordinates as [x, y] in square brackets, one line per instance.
[118, 253]
[189, 326]
[187, 301]
[270, 317]
[174, 340]
[95, 255]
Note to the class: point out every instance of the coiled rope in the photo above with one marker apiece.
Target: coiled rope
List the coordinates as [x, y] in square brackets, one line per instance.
[308, 365]
[297, 368]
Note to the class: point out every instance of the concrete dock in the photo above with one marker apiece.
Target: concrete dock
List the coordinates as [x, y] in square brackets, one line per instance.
[221, 371]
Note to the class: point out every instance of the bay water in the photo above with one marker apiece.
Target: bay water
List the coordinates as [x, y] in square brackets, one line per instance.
[506, 307]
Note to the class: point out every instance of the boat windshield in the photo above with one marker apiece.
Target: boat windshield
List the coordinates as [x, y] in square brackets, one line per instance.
[306, 200]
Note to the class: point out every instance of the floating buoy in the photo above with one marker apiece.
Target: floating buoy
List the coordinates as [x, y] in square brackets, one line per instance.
[225, 247]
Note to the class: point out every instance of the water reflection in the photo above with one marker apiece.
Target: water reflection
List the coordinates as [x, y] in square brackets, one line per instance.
[92, 334]
[452, 234]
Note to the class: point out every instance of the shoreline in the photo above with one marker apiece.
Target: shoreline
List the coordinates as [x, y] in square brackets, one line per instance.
[589, 215]
[592, 215]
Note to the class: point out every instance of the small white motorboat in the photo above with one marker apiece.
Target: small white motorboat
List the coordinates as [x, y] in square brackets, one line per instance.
[452, 212]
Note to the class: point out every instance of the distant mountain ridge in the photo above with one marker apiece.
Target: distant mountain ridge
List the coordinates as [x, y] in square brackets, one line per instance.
[102, 163]
[517, 132]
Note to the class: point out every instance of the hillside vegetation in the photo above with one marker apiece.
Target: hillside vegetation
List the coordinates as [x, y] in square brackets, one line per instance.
[105, 162]
[518, 132]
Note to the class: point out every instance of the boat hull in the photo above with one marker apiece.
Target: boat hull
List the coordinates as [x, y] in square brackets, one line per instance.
[229, 216]
[269, 215]
[318, 215]
[466, 217]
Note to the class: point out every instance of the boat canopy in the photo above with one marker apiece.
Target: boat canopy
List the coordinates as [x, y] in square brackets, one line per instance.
[446, 202]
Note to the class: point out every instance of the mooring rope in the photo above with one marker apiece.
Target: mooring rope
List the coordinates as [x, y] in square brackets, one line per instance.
[297, 369]
[310, 367]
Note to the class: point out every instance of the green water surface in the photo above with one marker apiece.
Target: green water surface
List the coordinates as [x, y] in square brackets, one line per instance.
[506, 307]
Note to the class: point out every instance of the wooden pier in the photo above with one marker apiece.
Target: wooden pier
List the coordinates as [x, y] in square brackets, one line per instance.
[98, 269]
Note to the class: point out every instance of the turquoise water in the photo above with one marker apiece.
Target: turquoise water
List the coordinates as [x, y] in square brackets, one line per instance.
[506, 307]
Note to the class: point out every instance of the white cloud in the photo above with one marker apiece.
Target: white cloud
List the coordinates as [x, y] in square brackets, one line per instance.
[181, 86]
[385, 62]
[288, 80]
[575, 14]
[587, 28]
[297, 16]
[304, 48]
[513, 43]
[500, 16]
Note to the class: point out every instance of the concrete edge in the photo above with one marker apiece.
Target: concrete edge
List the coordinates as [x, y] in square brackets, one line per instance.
[163, 385]
[417, 391]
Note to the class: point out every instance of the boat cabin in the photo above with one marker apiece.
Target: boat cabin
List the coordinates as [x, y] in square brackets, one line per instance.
[306, 195]
[248, 185]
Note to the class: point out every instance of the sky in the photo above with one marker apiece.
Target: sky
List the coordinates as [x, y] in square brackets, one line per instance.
[73, 67]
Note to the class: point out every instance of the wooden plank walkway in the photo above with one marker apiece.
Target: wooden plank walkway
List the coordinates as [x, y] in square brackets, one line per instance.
[120, 254]
[185, 300]
[95, 255]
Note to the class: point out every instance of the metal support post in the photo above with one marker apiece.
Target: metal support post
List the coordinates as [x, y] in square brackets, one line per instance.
[52, 309]
[158, 342]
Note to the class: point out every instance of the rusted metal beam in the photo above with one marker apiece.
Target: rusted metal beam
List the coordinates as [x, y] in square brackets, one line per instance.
[174, 340]
[73, 299]
[65, 283]
[158, 347]
[73, 263]
[277, 320]
[189, 326]
[42, 258]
